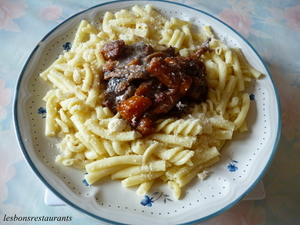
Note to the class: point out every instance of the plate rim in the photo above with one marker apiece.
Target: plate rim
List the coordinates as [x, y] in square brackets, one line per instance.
[75, 206]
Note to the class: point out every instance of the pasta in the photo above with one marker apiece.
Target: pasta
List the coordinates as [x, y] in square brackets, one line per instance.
[103, 143]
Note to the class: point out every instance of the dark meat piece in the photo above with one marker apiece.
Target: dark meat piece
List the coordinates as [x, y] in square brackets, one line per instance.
[170, 51]
[137, 72]
[149, 88]
[146, 125]
[203, 48]
[130, 63]
[188, 65]
[135, 52]
[113, 50]
[163, 98]
[197, 72]
[165, 101]
[117, 90]
[109, 66]
[156, 54]
[133, 108]
[169, 75]
[198, 91]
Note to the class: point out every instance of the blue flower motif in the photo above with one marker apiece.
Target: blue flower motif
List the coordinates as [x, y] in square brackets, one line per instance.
[85, 182]
[232, 167]
[42, 111]
[252, 97]
[147, 201]
[67, 46]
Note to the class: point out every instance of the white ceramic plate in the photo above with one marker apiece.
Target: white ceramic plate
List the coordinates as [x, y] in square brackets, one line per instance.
[244, 160]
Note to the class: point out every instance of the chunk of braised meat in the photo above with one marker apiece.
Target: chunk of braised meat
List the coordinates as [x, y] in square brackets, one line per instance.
[118, 90]
[113, 50]
[163, 98]
[156, 54]
[198, 91]
[133, 108]
[165, 101]
[188, 65]
[134, 111]
[146, 125]
[196, 71]
[129, 63]
[170, 50]
[203, 48]
[169, 75]
[109, 66]
[137, 52]
[150, 88]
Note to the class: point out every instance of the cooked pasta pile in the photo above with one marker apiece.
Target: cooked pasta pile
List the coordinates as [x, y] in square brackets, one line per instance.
[103, 143]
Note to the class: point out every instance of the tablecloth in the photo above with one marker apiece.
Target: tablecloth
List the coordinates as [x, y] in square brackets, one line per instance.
[271, 26]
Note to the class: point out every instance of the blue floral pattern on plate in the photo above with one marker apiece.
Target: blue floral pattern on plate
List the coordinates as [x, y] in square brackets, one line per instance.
[147, 201]
[232, 166]
[67, 46]
[42, 111]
